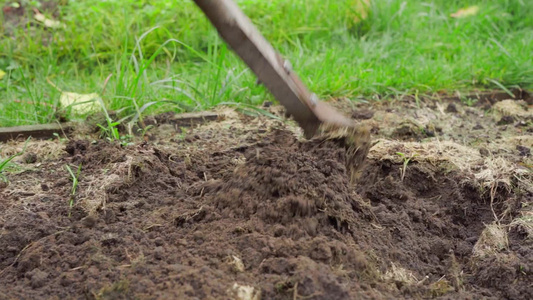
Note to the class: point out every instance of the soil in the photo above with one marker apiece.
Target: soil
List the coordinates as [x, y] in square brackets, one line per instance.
[245, 208]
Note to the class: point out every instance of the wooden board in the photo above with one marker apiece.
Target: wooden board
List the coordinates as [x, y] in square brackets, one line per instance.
[46, 131]
[40, 131]
[188, 119]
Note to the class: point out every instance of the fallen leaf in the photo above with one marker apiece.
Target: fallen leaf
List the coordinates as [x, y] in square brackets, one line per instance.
[80, 103]
[2, 74]
[360, 11]
[48, 22]
[465, 12]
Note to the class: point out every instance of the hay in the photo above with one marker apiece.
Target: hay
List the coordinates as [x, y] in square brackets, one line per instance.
[492, 240]
[245, 292]
[438, 153]
[512, 108]
[92, 191]
[397, 273]
[43, 149]
[236, 264]
[487, 171]
[525, 221]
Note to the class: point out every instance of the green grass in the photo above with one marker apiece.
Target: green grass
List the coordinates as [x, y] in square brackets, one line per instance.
[5, 162]
[75, 181]
[164, 55]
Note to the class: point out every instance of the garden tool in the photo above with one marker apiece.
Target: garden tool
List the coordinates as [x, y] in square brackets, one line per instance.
[315, 117]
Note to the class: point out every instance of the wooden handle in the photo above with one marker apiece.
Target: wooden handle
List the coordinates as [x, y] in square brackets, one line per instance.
[268, 65]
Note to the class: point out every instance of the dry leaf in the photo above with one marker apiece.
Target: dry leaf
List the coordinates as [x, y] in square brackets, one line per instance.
[465, 12]
[361, 8]
[48, 22]
[80, 103]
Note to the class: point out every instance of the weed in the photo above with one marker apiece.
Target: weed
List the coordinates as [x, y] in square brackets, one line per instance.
[110, 131]
[59, 138]
[406, 161]
[4, 163]
[182, 133]
[144, 130]
[468, 101]
[522, 270]
[116, 290]
[126, 140]
[417, 99]
[74, 178]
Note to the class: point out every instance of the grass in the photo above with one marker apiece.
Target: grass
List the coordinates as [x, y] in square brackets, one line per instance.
[165, 56]
[406, 161]
[74, 178]
[4, 163]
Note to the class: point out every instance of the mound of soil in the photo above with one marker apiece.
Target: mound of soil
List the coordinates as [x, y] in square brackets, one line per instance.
[237, 211]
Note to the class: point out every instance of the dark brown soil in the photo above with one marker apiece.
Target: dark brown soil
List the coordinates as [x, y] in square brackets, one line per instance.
[245, 203]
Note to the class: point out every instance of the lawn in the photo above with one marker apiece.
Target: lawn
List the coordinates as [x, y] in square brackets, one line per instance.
[164, 55]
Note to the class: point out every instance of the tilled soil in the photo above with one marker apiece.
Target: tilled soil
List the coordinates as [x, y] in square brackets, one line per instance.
[244, 208]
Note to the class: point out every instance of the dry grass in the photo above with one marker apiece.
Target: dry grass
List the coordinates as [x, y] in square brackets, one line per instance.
[492, 240]
[236, 263]
[245, 292]
[440, 288]
[92, 191]
[488, 173]
[44, 150]
[512, 108]
[436, 153]
[448, 155]
[525, 220]
[397, 273]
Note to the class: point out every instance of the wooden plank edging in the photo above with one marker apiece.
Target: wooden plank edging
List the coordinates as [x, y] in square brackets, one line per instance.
[47, 131]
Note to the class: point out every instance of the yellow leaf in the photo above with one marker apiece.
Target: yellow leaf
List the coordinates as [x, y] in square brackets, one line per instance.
[2, 74]
[80, 103]
[48, 22]
[465, 12]
[361, 8]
